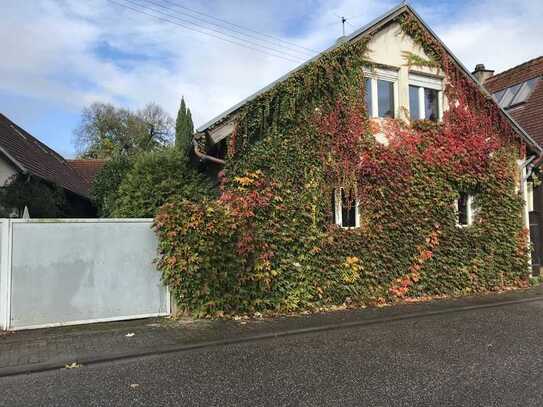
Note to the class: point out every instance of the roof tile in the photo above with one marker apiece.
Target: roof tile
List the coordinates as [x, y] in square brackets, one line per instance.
[530, 114]
[35, 157]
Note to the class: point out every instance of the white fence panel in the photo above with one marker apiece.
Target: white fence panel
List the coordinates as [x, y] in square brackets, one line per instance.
[71, 271]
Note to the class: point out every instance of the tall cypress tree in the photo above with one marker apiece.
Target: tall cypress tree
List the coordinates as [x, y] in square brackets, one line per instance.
[184, 128]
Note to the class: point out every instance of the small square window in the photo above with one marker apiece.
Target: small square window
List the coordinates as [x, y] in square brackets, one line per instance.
[464, 210]
[385, 98]
[345, 209]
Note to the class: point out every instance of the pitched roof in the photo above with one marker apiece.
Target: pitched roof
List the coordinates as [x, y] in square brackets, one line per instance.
[29, 155]
[87, 169]
[360, 33]
[529, 114]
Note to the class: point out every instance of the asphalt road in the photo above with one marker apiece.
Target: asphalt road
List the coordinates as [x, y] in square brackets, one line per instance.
[483, 357]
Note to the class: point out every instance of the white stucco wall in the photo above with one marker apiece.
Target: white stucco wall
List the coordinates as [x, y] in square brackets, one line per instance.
[387, 47]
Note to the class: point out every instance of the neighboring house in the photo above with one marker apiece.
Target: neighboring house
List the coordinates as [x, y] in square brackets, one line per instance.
[21, 153]
[519, 91]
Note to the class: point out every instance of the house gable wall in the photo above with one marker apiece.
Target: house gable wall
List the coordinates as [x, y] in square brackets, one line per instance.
[388, 47]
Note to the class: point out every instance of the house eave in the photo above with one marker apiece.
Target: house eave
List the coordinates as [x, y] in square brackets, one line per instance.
[16, 163]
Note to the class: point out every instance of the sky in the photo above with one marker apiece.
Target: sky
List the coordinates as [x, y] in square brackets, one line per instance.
[59, 56]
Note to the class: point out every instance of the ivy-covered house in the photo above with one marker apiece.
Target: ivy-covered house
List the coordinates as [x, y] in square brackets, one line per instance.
[378, 171]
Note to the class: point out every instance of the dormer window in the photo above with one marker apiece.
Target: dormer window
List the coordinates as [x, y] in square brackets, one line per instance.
[381, 93]
[425, 98]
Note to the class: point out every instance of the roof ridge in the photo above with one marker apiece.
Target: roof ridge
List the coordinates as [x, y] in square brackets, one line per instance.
[498, 75]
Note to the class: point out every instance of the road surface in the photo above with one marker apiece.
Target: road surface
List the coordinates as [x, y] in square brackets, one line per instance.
[482, 357]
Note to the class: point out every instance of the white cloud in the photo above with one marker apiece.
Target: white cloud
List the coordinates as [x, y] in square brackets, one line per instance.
[49, 47]
[498, 33]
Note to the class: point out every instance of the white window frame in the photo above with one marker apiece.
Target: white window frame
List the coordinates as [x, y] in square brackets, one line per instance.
[470, 212]
[530, 196]
[385, 75]
[429, 83]
[338, 213]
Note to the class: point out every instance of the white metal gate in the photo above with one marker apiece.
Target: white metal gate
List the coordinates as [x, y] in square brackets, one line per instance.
[69, 271]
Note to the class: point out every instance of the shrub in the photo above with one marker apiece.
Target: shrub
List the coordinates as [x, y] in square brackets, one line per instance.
[105, 186]
[44, 200]
[156, 178]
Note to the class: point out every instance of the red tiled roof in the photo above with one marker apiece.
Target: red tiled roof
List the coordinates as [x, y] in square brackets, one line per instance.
[530, 114]
[87, 169]
[30, 155]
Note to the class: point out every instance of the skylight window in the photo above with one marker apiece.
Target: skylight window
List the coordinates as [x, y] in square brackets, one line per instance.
[516, 94]
[510, 95]
[498, 95]
[525, 91]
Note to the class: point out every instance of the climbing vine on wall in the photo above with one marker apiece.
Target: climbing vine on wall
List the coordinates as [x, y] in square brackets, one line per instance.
[268, 244]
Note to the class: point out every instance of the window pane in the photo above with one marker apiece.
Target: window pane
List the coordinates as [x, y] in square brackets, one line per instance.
[333, 212]
[385, 98]
[463, 209]
[367, 96]
[414, 109]
[509, 95]
[430, 105]
[525, 91]
[348, 210]
[498, 95]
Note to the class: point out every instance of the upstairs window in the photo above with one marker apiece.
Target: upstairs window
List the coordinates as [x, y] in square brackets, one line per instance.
[425, 98]
[385, 98]
[345, 209]
[431, 105]
[367, 95]
[381, 93]
[414, 110]
[464, 210]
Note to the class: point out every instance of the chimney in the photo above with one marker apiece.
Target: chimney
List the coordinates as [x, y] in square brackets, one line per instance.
[481, 73]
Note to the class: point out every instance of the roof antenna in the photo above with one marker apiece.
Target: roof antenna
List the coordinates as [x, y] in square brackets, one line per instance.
[343, 21]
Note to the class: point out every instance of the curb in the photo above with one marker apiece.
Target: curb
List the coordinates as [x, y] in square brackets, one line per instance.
[148, 352]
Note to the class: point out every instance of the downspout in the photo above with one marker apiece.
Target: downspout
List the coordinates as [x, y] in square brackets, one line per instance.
[526, 170]
[205, 157]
